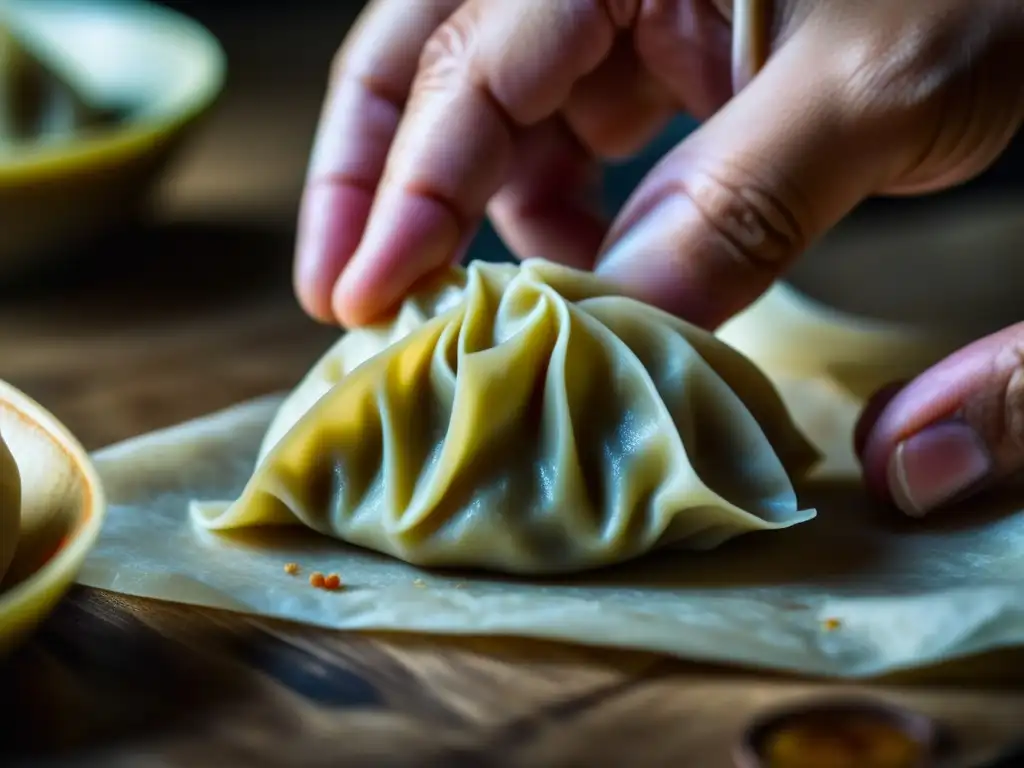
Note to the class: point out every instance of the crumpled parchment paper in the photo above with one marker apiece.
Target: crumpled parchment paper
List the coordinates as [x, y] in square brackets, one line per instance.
[856, 592]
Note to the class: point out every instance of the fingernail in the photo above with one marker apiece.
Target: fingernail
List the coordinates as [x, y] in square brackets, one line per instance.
[331, 223]
[937, 465]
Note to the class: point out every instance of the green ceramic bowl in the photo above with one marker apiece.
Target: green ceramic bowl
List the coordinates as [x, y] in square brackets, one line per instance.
[161, 69]
[62, 511]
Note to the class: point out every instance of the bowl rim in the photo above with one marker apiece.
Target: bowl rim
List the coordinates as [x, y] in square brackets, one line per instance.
[135, 136]
[69, 558]
[921, 728]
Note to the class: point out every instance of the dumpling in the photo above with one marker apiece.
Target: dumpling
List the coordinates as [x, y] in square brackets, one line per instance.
[10, 506]
[527, 420]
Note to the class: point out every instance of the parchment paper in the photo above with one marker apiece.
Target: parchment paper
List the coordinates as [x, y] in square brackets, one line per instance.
[856, 592]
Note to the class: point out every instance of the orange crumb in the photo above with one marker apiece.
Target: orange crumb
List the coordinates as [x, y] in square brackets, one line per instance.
[316, 579]
[291, 568]
[332, 582]
[832, 624]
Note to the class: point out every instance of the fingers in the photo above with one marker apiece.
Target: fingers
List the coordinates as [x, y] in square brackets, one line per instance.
[619, 107]
[685, 46]
[370, 83]
[956, 429]
[729, 209]
[750, 29]
[492, 70]
[550, 202]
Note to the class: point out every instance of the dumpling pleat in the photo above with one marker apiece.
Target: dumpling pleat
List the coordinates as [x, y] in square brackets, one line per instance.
[627, 447]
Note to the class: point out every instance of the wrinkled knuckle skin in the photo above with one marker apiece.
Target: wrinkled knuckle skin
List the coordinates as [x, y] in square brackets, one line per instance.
[997, 410]
[758, 227]
[905, 70]
[1011, 362]
[447, 54]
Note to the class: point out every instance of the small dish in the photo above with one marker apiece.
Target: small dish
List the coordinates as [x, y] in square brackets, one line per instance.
[62, 511]
[841, 733]
[159, 68]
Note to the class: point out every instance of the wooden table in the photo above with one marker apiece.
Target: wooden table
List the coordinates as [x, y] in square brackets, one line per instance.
[196, 314]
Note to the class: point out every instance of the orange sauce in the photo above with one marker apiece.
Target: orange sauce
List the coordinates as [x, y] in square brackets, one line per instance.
[829, 740]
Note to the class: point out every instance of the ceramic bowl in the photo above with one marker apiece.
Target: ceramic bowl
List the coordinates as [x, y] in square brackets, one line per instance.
[62, 510]
[930, 740]
[161, 69]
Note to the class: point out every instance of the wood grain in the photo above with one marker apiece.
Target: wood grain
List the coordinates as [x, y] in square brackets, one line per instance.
[174, 320]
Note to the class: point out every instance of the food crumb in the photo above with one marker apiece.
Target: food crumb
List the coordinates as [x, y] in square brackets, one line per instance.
[332, 581]
[291, 569]
[419, 584]
[317, 580]
[460, 585]
[832, 624]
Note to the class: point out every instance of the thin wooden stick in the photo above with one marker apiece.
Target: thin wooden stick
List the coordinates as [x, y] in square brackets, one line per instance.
[751, 23]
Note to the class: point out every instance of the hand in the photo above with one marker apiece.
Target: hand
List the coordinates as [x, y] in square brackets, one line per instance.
[440, 112]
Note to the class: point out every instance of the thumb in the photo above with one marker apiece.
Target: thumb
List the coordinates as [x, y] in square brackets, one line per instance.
[956, 429]
[726, 211]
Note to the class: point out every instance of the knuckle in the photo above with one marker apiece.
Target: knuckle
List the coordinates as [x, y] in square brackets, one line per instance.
[997, 410]
[1010, 363]
[903, 69]
[759, 227]
[1013, 411]
[448, 53]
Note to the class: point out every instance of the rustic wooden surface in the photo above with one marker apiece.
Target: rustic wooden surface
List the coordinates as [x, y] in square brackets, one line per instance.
[189, 316]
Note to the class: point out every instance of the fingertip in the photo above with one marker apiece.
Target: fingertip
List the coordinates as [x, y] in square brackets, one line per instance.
[314, 302]
[331, 222]
[363, 292]
[312, 288]
[346, 303]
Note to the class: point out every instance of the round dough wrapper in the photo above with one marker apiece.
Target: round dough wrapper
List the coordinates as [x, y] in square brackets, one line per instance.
[790, 336]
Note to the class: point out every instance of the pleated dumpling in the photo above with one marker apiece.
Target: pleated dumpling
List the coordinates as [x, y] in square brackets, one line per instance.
[526, 419]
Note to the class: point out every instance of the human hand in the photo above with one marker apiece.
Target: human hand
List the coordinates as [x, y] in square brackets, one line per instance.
[440, 112]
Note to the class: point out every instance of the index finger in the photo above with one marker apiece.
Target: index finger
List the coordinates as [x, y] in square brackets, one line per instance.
[493, 69]
[370, 82]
